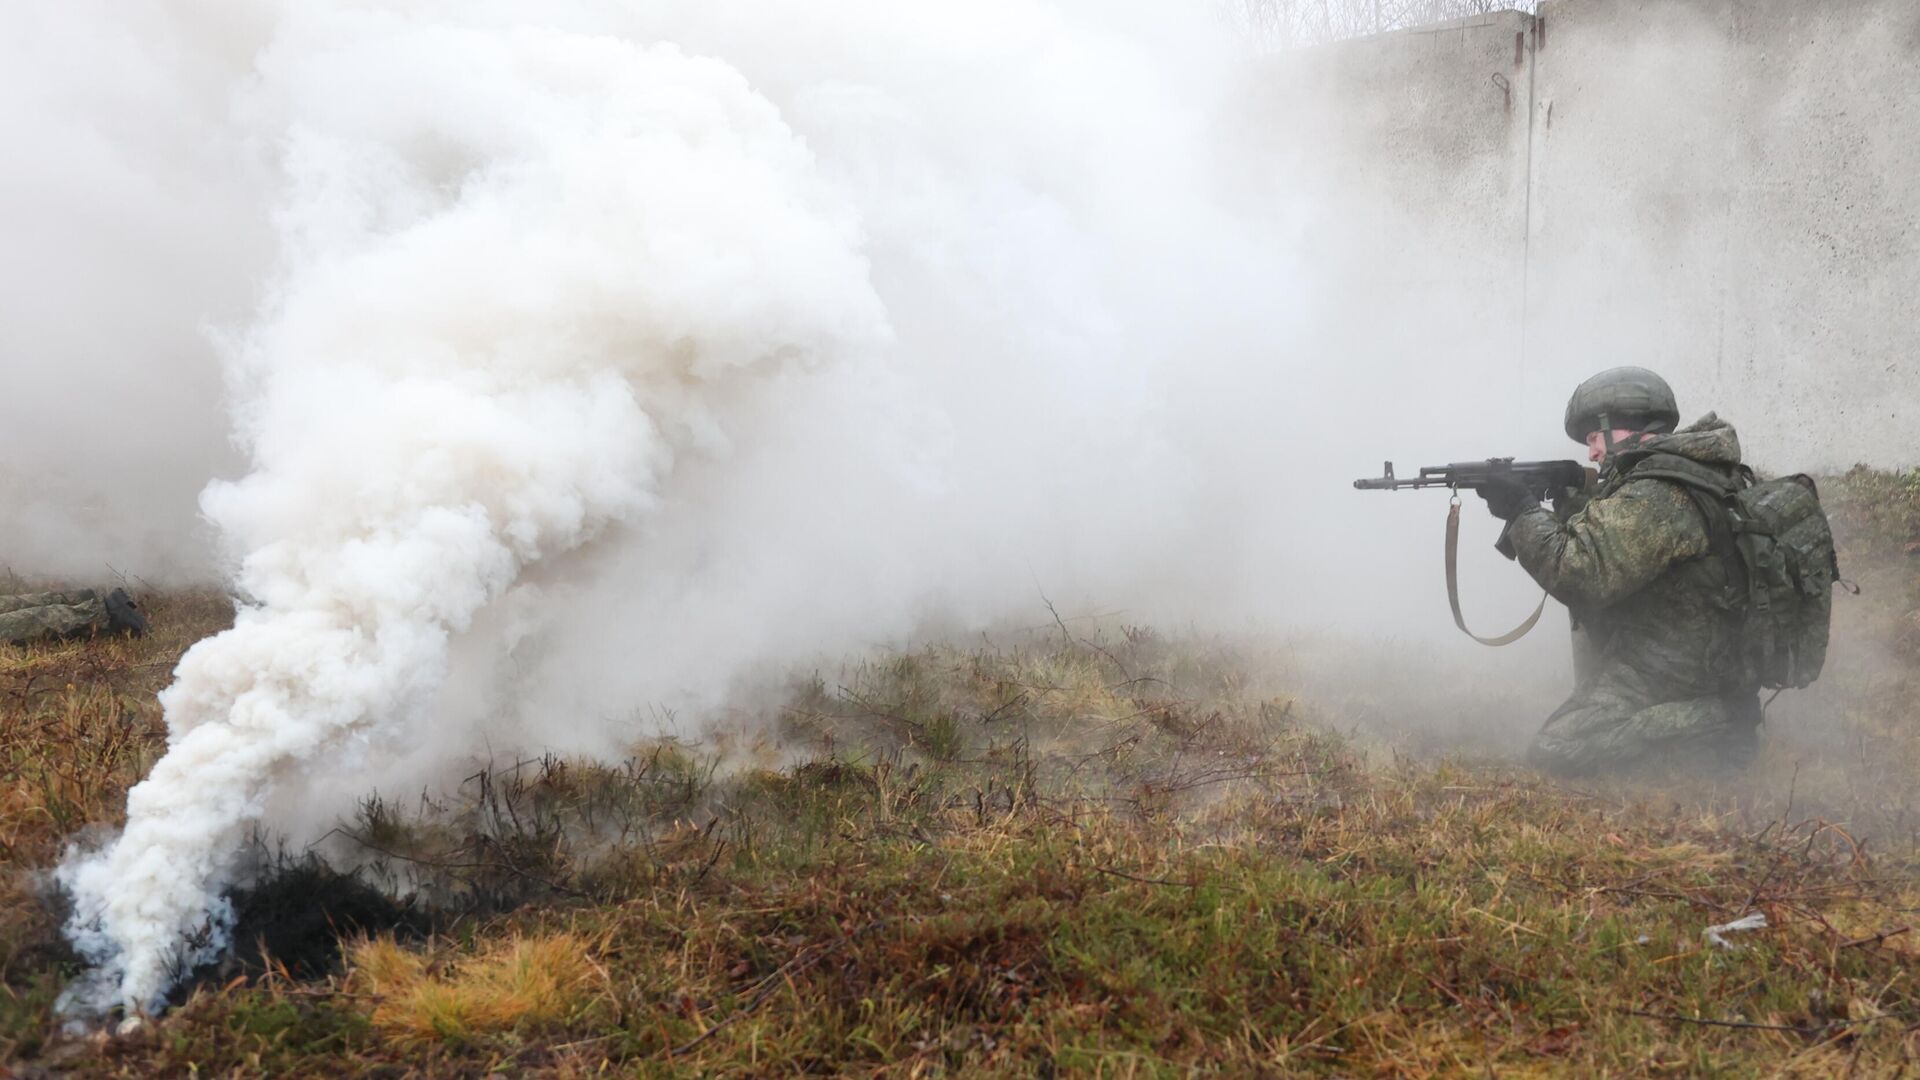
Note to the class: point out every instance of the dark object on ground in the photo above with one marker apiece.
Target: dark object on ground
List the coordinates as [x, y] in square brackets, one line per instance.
[124, 614]
[293, 918]
[51, 616]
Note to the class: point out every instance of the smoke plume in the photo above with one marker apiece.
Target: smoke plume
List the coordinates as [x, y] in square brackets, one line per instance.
[572, 363]
[729, 324]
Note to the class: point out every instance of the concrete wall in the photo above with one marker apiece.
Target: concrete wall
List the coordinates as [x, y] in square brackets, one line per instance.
[1725, 190]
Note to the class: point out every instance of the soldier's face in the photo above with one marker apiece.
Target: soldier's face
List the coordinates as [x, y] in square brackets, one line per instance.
[1597, 442]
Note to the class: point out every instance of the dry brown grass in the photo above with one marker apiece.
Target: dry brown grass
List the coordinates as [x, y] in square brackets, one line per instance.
[523, 985]
[1082, 852]
[79, 724]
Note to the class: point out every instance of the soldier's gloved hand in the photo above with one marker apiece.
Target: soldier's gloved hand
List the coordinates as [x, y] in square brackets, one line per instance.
[1506, 498]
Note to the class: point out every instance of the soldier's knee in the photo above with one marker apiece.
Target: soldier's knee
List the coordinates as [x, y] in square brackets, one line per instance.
[1701, 735]
[1725, 751]
[1560, 756]
[1576, 739]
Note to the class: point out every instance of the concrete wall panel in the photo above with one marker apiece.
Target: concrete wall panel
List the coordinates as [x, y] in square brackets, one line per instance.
[1728, 192]
[1725, 190]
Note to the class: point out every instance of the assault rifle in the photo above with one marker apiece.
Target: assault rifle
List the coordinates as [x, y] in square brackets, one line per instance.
[1554, 480]
[1545, 479]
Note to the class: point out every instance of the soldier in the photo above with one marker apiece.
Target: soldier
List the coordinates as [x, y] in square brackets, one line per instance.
[1639, 574]
[53, 615]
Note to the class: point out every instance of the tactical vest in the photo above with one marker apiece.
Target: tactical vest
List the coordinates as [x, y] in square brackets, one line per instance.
[1776, 545]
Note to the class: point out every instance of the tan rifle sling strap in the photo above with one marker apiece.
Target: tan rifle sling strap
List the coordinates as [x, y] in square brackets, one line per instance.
[1453, 587]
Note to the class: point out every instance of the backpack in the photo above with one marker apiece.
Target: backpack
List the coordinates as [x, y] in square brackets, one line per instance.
[1777, 546]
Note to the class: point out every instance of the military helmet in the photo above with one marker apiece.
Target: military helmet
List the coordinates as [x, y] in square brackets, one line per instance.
[1629, 397]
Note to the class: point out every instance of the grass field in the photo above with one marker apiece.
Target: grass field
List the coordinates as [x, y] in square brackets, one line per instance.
[1100, 852]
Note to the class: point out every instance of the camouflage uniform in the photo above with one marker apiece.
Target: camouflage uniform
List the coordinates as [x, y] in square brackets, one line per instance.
[1635, 567]
[52, 615]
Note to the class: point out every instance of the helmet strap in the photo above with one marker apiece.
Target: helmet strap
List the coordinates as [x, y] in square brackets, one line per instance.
[1606, 433]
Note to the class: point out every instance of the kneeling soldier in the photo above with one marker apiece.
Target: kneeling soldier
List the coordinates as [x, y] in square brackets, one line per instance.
[1662, 678]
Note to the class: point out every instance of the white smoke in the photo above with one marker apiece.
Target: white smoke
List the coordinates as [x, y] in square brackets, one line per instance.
[591, 355]
[505, 252]
[772, 304]
[134, 219]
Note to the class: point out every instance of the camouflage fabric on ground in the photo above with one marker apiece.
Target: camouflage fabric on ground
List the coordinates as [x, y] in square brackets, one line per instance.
[47, 615]
[42, 616]
[1636, 568]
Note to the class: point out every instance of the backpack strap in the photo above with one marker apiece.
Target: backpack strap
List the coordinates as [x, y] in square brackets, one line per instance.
[1709, 490]
[1656, 465]
[1720, 530]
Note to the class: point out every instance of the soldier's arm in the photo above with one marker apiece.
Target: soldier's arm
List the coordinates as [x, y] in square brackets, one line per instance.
[1612, 548]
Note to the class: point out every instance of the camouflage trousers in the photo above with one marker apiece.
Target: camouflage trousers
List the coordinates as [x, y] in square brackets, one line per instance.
[48, 615]
[1620, 718]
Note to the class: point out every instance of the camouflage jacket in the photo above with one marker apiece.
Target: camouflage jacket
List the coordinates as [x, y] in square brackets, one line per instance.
[1637, 570]
[50, 615]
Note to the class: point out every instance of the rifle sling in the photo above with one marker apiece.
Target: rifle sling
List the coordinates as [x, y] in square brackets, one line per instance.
[1453, 588]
